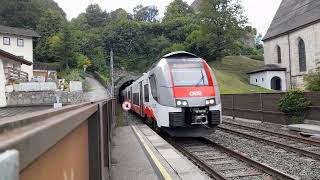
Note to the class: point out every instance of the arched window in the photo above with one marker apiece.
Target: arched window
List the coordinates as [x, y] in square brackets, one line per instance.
[302, 56]
[279, 54]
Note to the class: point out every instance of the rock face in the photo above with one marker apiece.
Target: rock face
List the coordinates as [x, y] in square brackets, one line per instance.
[43, 98]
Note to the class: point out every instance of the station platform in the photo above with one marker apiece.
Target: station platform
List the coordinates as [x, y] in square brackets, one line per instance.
[306, 128]
[139, 153]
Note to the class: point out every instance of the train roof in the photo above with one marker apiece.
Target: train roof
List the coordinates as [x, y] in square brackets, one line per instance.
[179, 54]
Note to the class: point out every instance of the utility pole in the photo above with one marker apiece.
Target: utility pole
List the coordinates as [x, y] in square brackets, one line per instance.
[112, 78]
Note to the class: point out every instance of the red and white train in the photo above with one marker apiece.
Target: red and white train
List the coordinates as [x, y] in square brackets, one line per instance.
[179, 95]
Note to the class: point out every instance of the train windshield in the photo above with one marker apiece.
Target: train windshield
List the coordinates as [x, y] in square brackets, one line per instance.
[189, 74]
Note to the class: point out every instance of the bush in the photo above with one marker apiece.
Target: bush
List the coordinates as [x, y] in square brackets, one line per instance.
[294, 104]
[313, 81]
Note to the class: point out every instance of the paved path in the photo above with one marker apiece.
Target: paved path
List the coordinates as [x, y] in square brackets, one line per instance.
[97, 92]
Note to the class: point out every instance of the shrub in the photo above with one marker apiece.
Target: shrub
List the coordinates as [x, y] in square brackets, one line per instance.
[313, 81]
[294, 104]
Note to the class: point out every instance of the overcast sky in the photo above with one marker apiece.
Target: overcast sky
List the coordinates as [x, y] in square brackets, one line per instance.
[259, 12]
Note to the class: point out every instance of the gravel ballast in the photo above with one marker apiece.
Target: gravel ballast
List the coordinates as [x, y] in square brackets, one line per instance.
[291, 163]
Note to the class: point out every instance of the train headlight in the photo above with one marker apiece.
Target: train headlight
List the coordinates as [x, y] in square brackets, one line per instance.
[210, 102]
[182, 103]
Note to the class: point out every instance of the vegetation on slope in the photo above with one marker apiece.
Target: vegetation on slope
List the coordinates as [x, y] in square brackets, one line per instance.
[232, 76]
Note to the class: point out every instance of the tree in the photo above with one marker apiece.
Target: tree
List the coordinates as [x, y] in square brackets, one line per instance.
[120, 14]
[222, 26]
[25, 13]
[145, 14]
[177, 8]
[95, 15]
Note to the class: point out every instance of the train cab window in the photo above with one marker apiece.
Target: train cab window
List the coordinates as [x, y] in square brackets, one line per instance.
[146, 92]
[189, 74]
[153, 84]
[129, 95]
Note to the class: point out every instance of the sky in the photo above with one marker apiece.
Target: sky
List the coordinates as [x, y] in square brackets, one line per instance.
[259, 12]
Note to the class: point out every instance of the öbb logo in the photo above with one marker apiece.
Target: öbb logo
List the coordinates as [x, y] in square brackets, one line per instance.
[195, 93]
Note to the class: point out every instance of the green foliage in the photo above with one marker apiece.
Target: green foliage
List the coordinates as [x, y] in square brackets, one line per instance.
[313, 81]
[26, 13]
[145, 14]
[177, 9]
[138, 40]
[222, 26]
[293, 103]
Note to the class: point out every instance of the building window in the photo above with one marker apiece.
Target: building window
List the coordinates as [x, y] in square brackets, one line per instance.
[6, 41]
[20, 42]
[256, 80]
[262, 79]
[279, 54]
[302, 56]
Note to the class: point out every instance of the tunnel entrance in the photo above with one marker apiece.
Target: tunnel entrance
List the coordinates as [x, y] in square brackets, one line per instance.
[121, 88]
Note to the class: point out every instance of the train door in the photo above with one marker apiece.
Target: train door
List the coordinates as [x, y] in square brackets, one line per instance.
[141, 99]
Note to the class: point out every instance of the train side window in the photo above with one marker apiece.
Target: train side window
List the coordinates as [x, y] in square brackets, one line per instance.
[146, 92]
[136, 99]
[129, 95]
[153, 84]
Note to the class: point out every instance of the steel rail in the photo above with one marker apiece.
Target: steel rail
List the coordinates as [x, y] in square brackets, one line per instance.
[203, 165]
[273, 143]
[268, 170]
[292, 137]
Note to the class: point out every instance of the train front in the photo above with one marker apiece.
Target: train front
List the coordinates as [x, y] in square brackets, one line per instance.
[196, 97]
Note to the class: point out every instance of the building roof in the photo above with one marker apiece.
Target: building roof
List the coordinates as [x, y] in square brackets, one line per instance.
[18, 31]
[293, 15]
[268, 67]
[14, 57]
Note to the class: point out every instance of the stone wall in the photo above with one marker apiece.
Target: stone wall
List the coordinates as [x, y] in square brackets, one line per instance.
[311, 38]
[43, 98]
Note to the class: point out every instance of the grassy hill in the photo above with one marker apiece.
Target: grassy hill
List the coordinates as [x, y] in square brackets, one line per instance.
[232, 77]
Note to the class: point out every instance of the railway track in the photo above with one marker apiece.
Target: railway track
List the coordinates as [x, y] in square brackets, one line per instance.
[222, 163]
[291, 143]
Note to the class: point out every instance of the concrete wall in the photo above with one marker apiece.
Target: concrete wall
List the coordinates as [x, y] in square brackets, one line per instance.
[42, 98]
[263, 79]
[67, 160]
[259, 79]
[311, 37]
[26, 51]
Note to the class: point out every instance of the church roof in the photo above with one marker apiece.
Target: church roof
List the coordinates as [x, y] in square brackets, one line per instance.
[293, 15]
[268, 67]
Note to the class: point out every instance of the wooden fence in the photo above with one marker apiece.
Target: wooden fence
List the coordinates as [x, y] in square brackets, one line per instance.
[263, 107]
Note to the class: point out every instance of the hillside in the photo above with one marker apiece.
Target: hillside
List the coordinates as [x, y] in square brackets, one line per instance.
[232, 77]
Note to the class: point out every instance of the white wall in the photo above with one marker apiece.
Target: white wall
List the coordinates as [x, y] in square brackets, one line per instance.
[263, 79]
[281, 75]
[259, 79]
[26, 51]
[3, 101]
[311, 37]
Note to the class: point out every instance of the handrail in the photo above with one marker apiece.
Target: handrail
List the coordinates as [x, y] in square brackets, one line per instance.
[15, 74]
[35, 133]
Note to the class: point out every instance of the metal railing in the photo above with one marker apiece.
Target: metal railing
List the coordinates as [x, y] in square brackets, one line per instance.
[15, 74]
[75, 139]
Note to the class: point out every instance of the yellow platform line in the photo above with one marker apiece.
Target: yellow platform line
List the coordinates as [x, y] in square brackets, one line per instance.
[162, 169]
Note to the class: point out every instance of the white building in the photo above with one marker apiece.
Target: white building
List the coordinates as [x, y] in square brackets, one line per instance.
[291, 46]
[19, 42]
